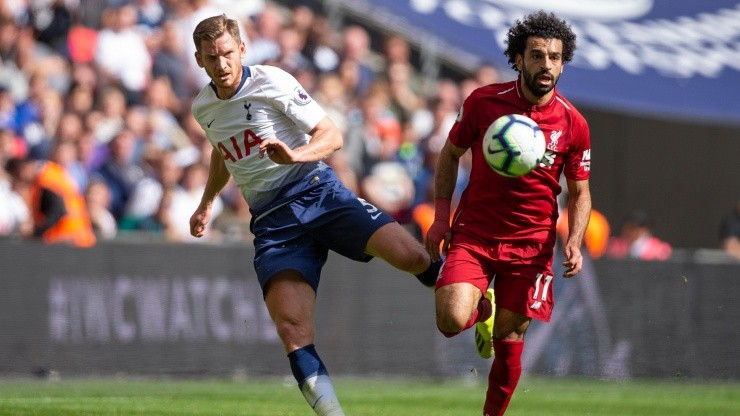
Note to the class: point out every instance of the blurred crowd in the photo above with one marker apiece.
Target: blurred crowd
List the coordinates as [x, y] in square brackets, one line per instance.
[95, 122]
[97, 140]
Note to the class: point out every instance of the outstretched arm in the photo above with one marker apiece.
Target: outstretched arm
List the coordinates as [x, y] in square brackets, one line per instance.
[579, 212]
[218, 177]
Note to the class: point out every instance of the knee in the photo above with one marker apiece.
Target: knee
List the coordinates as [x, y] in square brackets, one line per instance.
[450, 323]
[294, 333]
[419, 260]
[411, 259]
[454, 306]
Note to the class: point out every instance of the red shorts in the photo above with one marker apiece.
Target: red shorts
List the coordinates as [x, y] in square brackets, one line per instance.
[523, 272]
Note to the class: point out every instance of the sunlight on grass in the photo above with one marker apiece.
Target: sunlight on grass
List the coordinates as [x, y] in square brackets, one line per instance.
[375, 397]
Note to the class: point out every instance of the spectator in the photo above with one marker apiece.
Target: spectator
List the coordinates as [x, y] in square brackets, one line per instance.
[356, 50]
[121, 53]
[64, 153]
[264, 39]
[404, 100]
[143, 207]
[291, 57]
[51, 21]
[168, 60]
[729, 233]
[487, 74]
[7, 109]
[435, 121]
[27, 112]
[97, 198]
[636, 240]
[81, 44]
[443, 115]
[41, 133]
[397, 52]
[233, 223]
[90, 152]
[85, 75]
[58, 209]
[320, 45]
[163, 108]
[80, 100]
[346, 162]
[71, 128]
[150, 14]
[11, 145]
[120, 171]
[382, 130]
[186, 198]
[302, 19]
[15, 218]
[330, 93]
[111, 118]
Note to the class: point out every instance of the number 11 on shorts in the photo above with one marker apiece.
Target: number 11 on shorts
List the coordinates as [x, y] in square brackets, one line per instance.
[537, 284]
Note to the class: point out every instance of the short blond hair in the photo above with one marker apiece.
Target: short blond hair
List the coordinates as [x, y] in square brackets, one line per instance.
[213, 27]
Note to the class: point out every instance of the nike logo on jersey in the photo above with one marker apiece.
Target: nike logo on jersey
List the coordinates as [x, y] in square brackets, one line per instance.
[374, 217]
[211, 122]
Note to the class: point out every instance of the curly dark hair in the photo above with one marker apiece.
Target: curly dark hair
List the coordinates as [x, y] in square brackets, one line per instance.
[542, 25]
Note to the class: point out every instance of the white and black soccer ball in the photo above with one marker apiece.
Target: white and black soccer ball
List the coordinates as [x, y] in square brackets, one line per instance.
[513, 145]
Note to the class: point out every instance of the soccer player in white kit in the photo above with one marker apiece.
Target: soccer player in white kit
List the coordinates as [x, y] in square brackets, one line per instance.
[271, 137]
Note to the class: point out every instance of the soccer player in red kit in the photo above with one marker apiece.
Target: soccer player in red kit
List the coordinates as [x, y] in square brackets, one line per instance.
[503, 229]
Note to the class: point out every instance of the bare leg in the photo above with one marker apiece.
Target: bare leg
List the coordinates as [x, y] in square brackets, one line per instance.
[399, 248]
[290, 301]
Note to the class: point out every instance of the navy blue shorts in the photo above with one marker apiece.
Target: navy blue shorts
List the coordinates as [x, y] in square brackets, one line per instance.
[321, 215]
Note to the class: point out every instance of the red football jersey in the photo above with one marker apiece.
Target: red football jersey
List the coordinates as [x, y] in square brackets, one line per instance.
[494, 207]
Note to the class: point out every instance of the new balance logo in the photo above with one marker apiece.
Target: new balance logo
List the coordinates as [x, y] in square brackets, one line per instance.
[535, 305]
[586, 160]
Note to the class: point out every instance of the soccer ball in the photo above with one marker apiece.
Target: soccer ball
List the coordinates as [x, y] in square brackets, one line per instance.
[513, 145]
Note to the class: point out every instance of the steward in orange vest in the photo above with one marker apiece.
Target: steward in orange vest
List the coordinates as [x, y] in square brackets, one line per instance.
[58, 207]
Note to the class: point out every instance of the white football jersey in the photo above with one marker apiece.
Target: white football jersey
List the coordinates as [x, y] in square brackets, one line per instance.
[269, 103]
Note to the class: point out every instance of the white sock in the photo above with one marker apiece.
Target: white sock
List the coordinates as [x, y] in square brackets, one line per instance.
[319, 393]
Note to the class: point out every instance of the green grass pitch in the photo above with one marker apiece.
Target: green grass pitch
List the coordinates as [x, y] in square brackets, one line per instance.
[375, 397]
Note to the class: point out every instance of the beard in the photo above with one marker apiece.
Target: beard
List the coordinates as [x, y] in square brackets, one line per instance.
[539, 90]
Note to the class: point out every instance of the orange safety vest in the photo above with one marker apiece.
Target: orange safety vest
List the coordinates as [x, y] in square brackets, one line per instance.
[596, 238]
[74, 227]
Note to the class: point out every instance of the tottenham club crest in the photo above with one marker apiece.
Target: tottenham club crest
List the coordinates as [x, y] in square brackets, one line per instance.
[301, 96]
